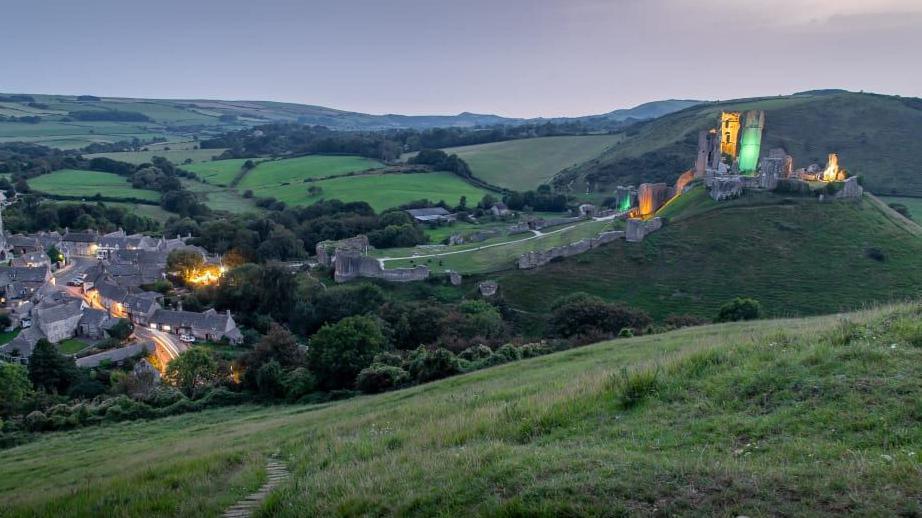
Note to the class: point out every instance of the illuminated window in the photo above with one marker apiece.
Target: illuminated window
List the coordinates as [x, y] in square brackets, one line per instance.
[166, 327]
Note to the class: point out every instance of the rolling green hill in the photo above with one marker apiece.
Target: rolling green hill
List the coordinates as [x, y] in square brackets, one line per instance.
[816, 416]
[875, 136]
[796, 257]
[527, 163]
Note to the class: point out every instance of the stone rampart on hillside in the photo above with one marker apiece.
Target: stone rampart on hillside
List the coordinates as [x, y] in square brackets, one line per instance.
[351, 264]
[538, 258]
[637, 229]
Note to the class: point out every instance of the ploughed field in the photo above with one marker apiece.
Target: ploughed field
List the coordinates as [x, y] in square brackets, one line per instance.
[814, 416]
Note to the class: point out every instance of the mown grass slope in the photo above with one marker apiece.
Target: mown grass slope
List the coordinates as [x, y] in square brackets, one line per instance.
[874, 135]
[524, 164]
[273, 173]
[75, 182]
[816, 416]
[798, 258]
[177, 155]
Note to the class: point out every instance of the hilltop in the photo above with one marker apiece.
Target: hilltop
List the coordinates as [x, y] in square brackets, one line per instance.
[74, 121]
[757, 418]
[874, 135]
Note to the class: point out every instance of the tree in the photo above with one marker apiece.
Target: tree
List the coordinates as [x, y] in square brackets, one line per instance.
[338, 352]
[49, 369]
[192, 371]
[432, 365]
[379, 377]
[739, 308]
[121, 330]
[15, 388]
[184, 262]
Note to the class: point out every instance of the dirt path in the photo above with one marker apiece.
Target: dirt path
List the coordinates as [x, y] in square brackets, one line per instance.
[277, 473]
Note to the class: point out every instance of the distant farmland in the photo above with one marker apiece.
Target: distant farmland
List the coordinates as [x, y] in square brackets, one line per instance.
[381, 191]
[176, 156]
[218, 172]
[75, 182]
[275, 172]
[526, 163]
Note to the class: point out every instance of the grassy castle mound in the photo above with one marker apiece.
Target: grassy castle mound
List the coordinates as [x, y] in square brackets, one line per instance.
[798, 256]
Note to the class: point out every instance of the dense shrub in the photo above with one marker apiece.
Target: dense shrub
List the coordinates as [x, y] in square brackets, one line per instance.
[428, 365]
[379, 377]
[739, 309]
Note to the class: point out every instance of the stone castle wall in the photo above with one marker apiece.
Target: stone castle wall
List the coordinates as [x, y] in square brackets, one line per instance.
[538, 258]
[638, 229]
[350, 265]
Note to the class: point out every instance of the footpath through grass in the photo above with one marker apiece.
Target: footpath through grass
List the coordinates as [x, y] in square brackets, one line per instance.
[816, 416]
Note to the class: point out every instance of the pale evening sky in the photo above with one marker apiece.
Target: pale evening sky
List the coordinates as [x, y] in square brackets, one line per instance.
[510, 57]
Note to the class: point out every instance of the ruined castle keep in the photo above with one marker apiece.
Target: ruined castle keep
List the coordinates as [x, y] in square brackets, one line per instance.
[730, 160]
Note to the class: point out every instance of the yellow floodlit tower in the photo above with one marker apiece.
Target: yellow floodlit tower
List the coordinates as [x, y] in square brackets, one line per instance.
[729, 133]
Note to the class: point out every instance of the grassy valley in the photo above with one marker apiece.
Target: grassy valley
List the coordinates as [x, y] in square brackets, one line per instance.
[750, 418]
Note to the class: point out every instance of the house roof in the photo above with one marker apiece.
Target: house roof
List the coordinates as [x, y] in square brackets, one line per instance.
[116, 355]
[95, 317]
[48, 312]
[24, 342]
[111, 291]
[80, 237]
[23, 241]
[10, 274]
[433, 211]
[141, 303]
[209, 321]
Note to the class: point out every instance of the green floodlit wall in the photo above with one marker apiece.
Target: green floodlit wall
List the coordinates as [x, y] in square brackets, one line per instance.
[749, 150]
[625, 202]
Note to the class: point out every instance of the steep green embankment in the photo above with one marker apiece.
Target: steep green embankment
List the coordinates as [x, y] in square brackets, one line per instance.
[875, 136]
[797, 256]
[792, 417]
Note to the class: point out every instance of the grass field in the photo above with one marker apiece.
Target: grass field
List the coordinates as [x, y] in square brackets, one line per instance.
[527, 163]
[913, 204]
[799, 258]
[219, 172]
[221, 198]
[380, 191]
[72, 346]
[75, 182]
[273, 173]
[795, 417]
[493, 254]
[174, 155]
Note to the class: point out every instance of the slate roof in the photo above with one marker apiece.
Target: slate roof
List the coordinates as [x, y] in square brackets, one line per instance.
[23, 241]
[141, 303]
[24, 342]
[208, 321]
[111, 291]
[55, 312]
[434, 211]
[115, 355]
[9, 274]
[95, 317]
[80, 237]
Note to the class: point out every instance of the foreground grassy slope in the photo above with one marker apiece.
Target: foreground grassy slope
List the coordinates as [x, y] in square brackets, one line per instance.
[799, 258]
[527, 163]
[874, 135]
[792, 417]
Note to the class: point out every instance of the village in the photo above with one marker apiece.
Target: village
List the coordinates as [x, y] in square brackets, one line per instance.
[95, 282]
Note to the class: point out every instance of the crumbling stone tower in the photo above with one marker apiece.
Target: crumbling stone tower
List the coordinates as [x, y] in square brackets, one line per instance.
[729, 133]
